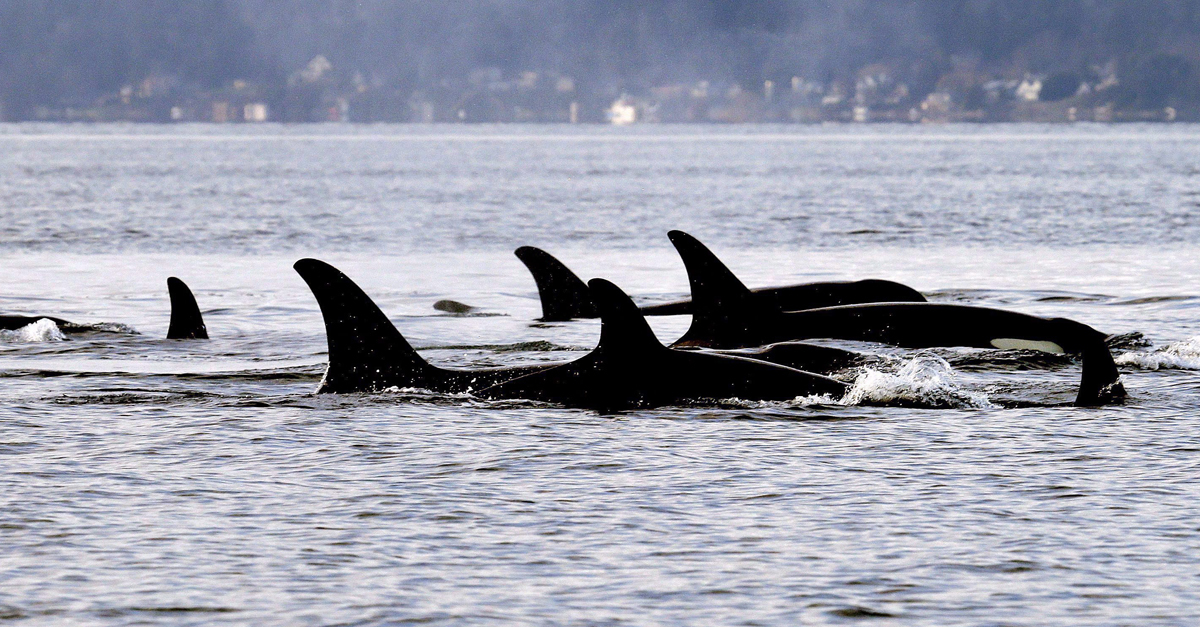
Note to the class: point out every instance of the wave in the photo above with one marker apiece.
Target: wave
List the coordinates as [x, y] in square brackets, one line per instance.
[134, 397]
[43, 330]
[536, 346]
[100, 327]
[1182, 355]
[1008, 360]
[1124, 341]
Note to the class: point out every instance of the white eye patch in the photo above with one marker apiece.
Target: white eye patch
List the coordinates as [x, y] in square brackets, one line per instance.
[1008, 343]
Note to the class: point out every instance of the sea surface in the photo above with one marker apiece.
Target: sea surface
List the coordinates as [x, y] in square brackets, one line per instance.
[146, 481]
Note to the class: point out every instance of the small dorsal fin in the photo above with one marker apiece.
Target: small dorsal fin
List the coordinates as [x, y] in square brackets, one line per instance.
[623, 329]
[186, 322]
[453, 306]
[366, 352]
[721, 303]
[564, 295]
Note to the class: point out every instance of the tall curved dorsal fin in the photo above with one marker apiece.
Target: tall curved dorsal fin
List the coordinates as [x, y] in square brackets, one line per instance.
[563, 294]
[623, 329]
[186, 322]
[710, 279]
[366, 352]
[721, 303]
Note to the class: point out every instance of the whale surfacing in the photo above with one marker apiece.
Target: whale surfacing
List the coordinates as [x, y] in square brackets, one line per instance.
[565, 296]
[12, 323]
[186, 321]
[629, 367]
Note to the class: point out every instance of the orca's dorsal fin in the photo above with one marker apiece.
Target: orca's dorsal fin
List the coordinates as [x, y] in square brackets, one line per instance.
[186, 322]
[721, 303]
[564, 295]
[366, 352]
[623, 329]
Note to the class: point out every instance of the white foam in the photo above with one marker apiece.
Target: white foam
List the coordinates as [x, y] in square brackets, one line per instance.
[395, 389]
[43, 330]
[1183, 355]
[799, 401]
[924, 381]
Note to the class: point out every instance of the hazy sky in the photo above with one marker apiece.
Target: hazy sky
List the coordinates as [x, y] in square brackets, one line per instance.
[54, 51]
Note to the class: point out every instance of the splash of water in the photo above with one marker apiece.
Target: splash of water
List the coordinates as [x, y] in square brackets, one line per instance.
[43, 330]
[924, 381]
[1182, 355]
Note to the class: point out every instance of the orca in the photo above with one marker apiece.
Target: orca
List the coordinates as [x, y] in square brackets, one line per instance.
[724, 316]
[186, 321]
[565, 296]
[723, 307]
[367, 353]
[929, 325]
[631, 368]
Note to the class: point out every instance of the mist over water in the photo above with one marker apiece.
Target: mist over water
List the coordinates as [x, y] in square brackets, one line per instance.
[177, 482]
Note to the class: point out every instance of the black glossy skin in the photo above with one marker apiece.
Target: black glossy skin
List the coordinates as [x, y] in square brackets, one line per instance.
[631, 368]
[726, 315]
[565, 296]
[909, 325]
[927, 325]
[808, 296]
[367, 353]
[12, 323]
[186, 321]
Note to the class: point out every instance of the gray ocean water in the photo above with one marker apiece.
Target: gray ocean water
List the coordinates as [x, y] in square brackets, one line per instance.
[148, 481]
